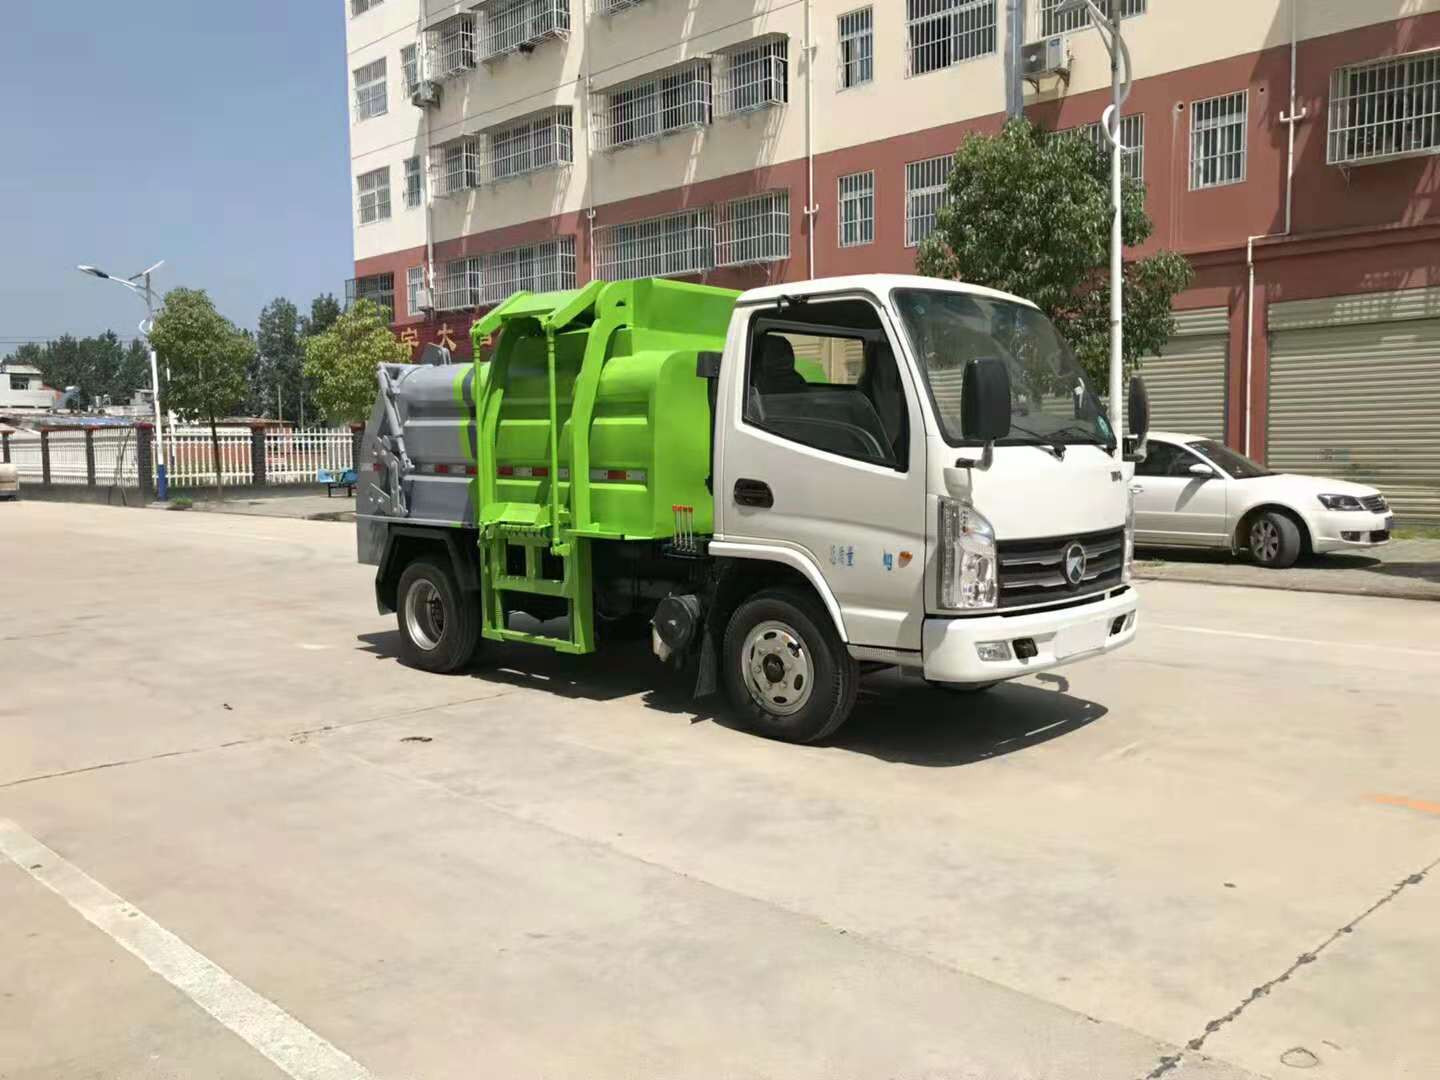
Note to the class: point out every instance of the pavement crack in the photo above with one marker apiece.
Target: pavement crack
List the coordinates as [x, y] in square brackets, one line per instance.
[1172, 1061]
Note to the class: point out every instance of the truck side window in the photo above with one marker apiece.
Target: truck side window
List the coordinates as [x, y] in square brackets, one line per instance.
[830, 387]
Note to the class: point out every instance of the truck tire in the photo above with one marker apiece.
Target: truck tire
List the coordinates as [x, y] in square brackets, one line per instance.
[439, 628]
[787, 672]
[1273, 540]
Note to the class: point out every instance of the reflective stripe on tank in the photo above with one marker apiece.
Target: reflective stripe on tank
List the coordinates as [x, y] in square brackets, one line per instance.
[529, 472]
[617, 476]
[446, 470]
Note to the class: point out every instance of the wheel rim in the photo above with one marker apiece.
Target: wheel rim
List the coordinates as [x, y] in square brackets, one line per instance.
[777, 669]
[1265, 540]
[424, 614]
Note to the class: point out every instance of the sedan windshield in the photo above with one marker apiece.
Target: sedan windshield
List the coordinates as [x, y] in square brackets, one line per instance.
[1050, 400]
[1238, 466]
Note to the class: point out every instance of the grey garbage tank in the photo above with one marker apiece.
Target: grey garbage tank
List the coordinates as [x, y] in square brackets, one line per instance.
[417, 457]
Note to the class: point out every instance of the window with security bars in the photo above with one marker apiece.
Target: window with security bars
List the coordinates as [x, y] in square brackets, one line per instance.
[669, 101]
[610, 7]
[1385, 109]
[940, 33]
[378, 288]
[1132, 137]
[483, 280]
[682, 243]
[450, 47]
[414, 183]
[508, 25]
[1055, 21]
[359, 7]
[410, 65]
[925, 193]
[755, 75]
[753, 230]
[455, 166]
[542, 142]
[374, 189]
[1218, 139]
[857, 48]
[414, 282]
[370, 90]
[857, 209]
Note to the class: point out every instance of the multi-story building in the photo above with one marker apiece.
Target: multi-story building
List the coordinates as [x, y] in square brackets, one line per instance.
[1288, 148]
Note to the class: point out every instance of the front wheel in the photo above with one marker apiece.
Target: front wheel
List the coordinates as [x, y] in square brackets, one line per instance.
[1274, 540]
[439, 628]
[788, 673]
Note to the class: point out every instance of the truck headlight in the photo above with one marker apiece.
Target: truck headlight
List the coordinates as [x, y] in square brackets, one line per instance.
[968, 573]
[1127, 568]
[1340, 502]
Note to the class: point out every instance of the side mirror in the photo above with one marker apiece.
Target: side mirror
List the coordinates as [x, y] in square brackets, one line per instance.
[1138, 413]
[1201, 470]
[985, 400]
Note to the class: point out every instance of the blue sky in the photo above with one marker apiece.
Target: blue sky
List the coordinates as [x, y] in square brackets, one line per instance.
[212, 136]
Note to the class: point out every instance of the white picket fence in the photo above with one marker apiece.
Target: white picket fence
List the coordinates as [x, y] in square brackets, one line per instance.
[291, 456]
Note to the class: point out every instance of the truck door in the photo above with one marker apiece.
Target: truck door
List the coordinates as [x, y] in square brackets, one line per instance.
[821, 452]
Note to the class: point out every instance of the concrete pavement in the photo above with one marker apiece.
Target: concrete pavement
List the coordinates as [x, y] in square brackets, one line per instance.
[559, 867]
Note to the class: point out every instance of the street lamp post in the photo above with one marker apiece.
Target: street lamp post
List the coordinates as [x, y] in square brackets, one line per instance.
[139, 284]
[1107, 24]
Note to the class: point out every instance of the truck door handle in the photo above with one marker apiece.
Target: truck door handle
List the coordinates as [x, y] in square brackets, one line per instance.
[754, 493]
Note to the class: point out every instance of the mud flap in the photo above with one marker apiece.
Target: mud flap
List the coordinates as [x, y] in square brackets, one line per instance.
[707, 666]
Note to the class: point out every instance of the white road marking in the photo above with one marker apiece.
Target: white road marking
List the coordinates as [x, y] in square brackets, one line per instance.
[289, 1044]
[1292, 640]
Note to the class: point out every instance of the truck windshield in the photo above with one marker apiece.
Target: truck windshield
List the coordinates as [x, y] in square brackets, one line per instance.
[1050, 400]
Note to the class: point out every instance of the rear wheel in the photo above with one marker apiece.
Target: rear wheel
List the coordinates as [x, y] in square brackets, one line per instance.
[1273, 540]
[439, 627]
[788, 673]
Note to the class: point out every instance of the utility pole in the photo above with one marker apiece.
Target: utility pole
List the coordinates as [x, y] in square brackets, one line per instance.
[1014, 47]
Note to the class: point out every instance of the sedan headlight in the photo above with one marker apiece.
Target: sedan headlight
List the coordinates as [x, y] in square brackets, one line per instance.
[1127, 568]
[969, 577]
[1340, 502]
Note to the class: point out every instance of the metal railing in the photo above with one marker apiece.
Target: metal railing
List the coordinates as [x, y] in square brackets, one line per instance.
[940, 33]
[189, 457]
[1385, 109]
[450, 47]
[676, 244]
[483, 280]
[1045, 19]
[753, 230]
[755, 75]
[509, 25]
[925, 193]
[653, 106]
[296, 457]
[1219, 137]
[857, 209]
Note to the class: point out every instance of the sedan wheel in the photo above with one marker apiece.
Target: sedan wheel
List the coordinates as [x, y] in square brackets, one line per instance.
[1274, 540]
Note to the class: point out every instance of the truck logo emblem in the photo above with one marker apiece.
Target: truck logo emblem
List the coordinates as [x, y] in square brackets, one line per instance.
[1075, 560]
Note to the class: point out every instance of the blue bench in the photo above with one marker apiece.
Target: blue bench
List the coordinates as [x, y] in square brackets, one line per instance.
[346, 480]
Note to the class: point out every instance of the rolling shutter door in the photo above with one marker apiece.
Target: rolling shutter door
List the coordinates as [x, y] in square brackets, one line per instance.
[1355, 394]
[1187, 382]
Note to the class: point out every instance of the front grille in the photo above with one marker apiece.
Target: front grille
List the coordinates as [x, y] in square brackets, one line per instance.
[1033, 571]
[1375, 504]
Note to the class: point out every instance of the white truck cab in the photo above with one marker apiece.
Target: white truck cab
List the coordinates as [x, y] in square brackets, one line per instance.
[964, 547]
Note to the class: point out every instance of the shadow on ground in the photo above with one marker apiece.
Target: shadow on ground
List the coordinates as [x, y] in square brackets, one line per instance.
[897, 718]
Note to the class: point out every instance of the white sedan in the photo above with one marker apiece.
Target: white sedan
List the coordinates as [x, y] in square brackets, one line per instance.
[1192, 491]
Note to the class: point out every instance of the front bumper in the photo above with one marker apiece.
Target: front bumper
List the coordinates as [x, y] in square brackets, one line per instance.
[1336, 530]
[1060, 637]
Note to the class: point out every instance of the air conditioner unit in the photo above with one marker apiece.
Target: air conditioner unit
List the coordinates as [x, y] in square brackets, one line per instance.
[426, 93]
[1044, 57]
[423, 301]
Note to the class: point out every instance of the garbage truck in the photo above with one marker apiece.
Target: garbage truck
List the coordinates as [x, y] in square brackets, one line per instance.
[782, 489]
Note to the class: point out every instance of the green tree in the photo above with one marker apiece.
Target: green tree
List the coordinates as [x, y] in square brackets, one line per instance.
[341, 362]
[133, 373]
[324, 310]
[277, 375]
[1029, 213]
[205, 358]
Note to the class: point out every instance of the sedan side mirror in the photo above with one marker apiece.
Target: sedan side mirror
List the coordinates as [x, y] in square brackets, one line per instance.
[1205, 472]
[1138, 413]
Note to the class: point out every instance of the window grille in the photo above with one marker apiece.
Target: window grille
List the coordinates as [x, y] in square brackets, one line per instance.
[374, 188]
[682, 243]
[925, 194]
[455, 166]
[1132, 136]
[945, 32]
[1385, 109]
[544, 142]
[753, 230]
[414, 183]
[359, 7]
[755, 76]
[414, 282]
[1054, 21]
[379, 288]
[1218, 140]
[483, 280]
[370, 90]
[857, 209]
[857, 48]
[450, 47]
[654, 106]
[610, 7]
[508, 25]
[410, 65]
